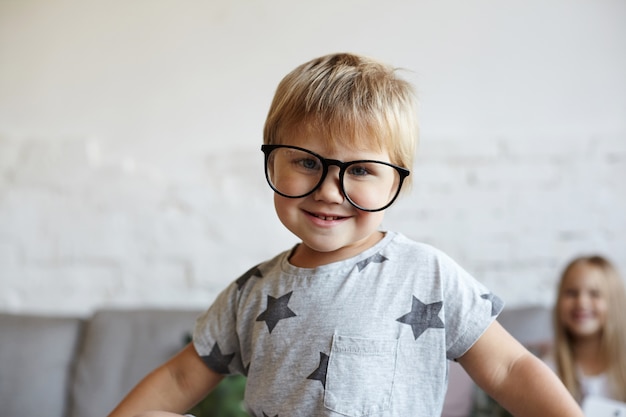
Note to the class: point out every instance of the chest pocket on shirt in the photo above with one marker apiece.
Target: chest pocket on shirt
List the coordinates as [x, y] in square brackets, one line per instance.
[359, 380]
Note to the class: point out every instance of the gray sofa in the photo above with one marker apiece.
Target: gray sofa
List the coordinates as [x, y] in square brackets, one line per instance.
[73, 367]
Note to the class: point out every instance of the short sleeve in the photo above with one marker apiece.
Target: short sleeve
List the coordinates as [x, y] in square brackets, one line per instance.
[470, 307]
[215, 337]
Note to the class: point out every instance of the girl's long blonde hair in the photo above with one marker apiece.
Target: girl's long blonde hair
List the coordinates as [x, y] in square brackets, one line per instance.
[613, 342]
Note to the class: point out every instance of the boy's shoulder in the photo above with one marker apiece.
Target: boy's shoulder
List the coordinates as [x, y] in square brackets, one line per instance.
[401, 242]
[424, 256]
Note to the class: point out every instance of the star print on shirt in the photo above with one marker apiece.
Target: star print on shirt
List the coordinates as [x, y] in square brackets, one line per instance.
[423, 317]
[252, 272]
[277, 310]
[217, 361]
[496, 303]
[320, 373]
[376, 258]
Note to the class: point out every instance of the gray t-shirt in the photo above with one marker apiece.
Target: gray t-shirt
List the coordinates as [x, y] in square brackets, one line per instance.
[366, 336]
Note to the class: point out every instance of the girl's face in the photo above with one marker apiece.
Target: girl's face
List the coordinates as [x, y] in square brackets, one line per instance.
[583, 302]
[331, 229]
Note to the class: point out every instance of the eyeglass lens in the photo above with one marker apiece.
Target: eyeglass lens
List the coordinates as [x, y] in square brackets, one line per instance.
[368, 185]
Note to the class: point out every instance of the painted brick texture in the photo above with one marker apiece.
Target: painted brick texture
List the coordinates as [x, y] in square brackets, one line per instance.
[81, 228]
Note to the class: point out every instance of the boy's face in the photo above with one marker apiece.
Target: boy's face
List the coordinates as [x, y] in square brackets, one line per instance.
[331, 229]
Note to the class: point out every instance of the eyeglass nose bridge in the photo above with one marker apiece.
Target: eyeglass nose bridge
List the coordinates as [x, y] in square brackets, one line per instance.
[327, 163]
[339, 164]
[335, 162]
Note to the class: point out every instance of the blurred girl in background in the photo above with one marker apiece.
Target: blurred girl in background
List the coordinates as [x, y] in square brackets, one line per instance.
[590, 330]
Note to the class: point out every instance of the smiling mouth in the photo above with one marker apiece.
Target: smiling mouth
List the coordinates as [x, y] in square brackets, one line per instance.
[327, 218]
[583, 316]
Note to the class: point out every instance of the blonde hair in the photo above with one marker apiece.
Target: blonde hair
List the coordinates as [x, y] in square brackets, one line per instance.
[613, 342]
[348, 99]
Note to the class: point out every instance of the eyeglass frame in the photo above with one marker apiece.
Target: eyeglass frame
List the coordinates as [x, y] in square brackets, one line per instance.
[326, 163]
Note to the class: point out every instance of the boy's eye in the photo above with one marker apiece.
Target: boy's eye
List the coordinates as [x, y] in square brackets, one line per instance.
[307, 163]
[359, 170]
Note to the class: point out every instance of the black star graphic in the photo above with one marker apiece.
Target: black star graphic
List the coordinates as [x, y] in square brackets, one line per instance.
[217, 361]
[496, 303]
[422, 317]
[377, 258]
[320, 373]
[252, 272]
[277, 310]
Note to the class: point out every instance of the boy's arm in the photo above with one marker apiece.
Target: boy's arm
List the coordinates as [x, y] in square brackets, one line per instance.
[515, 378]
[175, 386]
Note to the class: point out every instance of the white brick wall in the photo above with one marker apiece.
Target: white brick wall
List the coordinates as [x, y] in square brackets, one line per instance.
[130, 169]
[515, 216]
[76, 234]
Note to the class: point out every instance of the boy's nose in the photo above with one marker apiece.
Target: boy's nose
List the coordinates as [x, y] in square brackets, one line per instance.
[330, 189]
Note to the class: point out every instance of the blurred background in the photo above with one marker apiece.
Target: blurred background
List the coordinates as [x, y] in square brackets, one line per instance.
[130, 133]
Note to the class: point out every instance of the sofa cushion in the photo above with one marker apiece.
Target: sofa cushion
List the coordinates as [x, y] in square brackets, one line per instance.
[531, 326]
[36, 361]
[120, 347]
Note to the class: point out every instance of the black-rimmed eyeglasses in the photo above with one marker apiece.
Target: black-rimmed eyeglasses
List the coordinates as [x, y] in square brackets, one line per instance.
[296, 172]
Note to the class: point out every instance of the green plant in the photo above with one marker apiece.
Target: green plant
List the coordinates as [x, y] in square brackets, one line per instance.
[485, 406]
[226, 400]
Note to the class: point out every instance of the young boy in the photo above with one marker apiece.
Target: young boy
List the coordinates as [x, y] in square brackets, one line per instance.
[352, 321]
